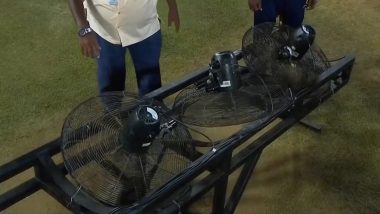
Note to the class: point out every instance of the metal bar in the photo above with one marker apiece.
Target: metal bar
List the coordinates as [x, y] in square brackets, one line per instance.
[187, 80]
[18, 193]
[42, 171]
[310, 125]
[27, 160]
[197, 190]
[24, 190]
[341, 69]
[66, 192]
[241, 183]
[220, 189]
[174, 86]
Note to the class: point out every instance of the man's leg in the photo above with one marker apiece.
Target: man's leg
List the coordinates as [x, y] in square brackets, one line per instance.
[111, 66]
[293, 12]
[268, 12]
[146, 56]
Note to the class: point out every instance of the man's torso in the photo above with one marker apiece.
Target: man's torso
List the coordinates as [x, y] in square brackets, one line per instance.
[123, 21]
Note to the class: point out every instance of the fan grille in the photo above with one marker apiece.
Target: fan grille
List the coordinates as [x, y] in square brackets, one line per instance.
[255, 99]
[95, 158]
[261, 45]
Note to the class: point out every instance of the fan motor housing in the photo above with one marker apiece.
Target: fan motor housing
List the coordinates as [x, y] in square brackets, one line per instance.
[299, 41]
[224, 71]
[142, 126]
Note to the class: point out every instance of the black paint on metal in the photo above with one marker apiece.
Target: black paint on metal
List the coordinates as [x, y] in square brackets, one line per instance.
[50, 177]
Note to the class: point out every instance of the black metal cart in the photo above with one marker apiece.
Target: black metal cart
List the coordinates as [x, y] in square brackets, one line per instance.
[219, 163]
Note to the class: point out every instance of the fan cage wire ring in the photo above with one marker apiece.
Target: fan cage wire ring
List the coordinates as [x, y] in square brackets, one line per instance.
[184, 162]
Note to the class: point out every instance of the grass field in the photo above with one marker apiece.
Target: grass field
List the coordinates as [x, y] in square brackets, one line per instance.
[43, 76]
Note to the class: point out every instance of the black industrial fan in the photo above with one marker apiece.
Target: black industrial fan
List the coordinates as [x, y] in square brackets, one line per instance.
[118, 148]
[289, 56]
[278, 58]
[228, 96]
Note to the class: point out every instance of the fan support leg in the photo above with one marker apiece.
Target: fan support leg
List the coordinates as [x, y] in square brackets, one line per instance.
[311, 125]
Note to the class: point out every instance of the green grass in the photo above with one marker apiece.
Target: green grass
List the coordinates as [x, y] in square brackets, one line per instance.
[43, 76]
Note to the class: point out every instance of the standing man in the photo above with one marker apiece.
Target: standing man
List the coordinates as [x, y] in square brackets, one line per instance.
[107, 28]
[291, 11]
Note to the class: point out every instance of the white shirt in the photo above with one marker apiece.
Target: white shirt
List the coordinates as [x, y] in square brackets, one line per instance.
[123, 22]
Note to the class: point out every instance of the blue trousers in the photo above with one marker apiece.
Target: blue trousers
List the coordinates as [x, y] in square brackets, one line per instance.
[145, 56]
[291, 11]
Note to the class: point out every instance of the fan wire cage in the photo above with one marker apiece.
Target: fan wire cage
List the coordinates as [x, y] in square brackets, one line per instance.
[99, 164]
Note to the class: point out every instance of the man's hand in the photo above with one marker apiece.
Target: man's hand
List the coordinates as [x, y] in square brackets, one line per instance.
[310, 4]
[173, 16]
[88, 43]
[90, 46]
[254, 5]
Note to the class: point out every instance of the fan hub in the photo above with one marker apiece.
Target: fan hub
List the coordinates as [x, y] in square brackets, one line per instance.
[299, 41]
[142, 126]
[224, 74]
